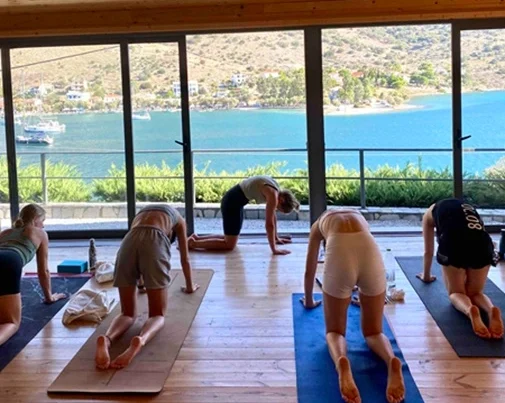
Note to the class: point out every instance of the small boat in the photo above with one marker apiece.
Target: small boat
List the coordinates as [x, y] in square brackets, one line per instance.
[46, 126]
[36, 138]
[141, 115]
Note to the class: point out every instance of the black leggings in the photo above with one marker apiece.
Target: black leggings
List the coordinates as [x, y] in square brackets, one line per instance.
[232, 210]
[11, 269]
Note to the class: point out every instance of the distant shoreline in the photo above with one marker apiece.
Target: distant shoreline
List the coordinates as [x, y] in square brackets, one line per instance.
[329, 110]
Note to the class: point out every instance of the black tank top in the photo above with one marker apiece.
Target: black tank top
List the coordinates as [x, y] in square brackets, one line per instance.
[457, 218]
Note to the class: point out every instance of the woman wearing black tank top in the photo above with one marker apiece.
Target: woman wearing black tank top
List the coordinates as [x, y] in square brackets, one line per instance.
[465, 252]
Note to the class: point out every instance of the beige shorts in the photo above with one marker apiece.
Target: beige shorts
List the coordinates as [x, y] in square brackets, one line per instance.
[353, 259]
[145, 251]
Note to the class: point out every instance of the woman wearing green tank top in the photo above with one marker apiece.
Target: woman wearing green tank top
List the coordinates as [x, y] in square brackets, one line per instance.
[18, 246]
[261, 189]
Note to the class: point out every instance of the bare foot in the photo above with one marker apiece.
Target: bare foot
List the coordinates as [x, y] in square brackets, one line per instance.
[128, 355]
[496, 323]
[479, 327]
[348, 388]
[102, 358]
[395, 392]
[191, 243]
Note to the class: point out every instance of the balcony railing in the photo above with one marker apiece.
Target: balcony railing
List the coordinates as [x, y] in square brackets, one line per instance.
[360, 153]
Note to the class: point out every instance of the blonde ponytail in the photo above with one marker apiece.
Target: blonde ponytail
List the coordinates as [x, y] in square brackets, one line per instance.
[18, 223]
[27, 214]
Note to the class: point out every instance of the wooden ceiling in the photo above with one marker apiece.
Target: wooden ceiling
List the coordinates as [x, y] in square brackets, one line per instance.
[22, 18]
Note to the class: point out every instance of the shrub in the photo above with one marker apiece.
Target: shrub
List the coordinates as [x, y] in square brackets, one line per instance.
[386, 186]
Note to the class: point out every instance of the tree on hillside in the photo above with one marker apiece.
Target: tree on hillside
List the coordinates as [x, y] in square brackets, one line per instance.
[424, 76]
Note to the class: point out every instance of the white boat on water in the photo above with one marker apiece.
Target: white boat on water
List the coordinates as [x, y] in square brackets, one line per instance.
[36, 138]
[141, 115]
[45, 126]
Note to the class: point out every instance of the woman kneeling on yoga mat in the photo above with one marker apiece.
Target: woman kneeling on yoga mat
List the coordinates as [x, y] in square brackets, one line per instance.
[18, 246]
[352, 258]
[262, 189]
[465, 252]
[144, 252]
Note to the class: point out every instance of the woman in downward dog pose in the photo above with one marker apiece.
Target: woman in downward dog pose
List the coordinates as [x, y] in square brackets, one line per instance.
[144, 254]
[465, 252]
[352, 258]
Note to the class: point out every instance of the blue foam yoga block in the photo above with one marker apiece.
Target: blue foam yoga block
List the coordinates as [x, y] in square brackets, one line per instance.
[73, 266]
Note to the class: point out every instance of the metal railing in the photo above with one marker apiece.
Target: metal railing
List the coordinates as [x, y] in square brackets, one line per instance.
[362, 178]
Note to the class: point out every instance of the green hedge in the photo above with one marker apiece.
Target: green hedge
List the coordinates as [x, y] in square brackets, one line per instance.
[393, 189]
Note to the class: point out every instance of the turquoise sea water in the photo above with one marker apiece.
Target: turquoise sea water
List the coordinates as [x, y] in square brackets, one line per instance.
[428, 126]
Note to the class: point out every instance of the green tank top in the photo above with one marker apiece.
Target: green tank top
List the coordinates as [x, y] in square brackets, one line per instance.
[16, 241]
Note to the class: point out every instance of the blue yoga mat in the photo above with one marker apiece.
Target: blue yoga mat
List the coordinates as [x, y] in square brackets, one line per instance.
[455, 326]
[316, 376]
[35, 313]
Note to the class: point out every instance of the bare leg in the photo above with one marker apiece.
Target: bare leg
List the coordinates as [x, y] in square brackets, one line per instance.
[225, 243]
[335, 315]
[211, 236]
[10, 316]
[157, 306]
[120, 324]
[372, 309]
[476, 280]
[455, 282]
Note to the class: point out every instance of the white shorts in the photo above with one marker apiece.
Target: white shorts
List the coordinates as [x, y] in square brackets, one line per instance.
[353, 259]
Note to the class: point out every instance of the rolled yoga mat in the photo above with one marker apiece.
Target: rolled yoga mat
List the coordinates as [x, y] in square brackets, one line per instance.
[316, 377]
[455, 326]
[149, 370]
[36, 314]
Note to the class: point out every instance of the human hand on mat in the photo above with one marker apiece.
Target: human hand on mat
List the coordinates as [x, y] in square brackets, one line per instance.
[282, 240]
[281, 252]
[425, 279]
[310, 305]
[55, 297]
[190, 289]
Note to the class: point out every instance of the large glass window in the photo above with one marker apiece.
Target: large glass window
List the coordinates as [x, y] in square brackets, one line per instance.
[4, 178]
[247, 95]
[156, 104]
[69, 134]
[483, 102]
[387, 96]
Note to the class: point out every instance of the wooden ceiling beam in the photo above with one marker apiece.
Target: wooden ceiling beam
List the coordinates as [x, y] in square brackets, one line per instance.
[47, 18]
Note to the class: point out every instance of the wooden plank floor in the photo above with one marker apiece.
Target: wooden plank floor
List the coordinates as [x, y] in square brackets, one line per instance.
[240, 348]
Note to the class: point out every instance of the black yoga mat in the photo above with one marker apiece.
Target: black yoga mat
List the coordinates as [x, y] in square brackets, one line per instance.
[36, 314]
[455, 326]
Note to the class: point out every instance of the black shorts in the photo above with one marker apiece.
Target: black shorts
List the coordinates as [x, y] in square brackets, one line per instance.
[11, 269]
[232, 210]
[466, 253]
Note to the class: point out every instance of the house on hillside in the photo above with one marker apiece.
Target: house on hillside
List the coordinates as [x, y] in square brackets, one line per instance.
[112, 98]
[192, 88]
[238, 79]
[222, 91]
[78, 96]
[79, 86]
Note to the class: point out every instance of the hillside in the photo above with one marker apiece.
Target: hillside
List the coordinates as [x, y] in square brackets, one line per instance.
[213, 59]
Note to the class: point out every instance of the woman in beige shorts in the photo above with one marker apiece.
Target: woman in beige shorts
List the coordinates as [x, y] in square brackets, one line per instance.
[144, 253]
[352, 258]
